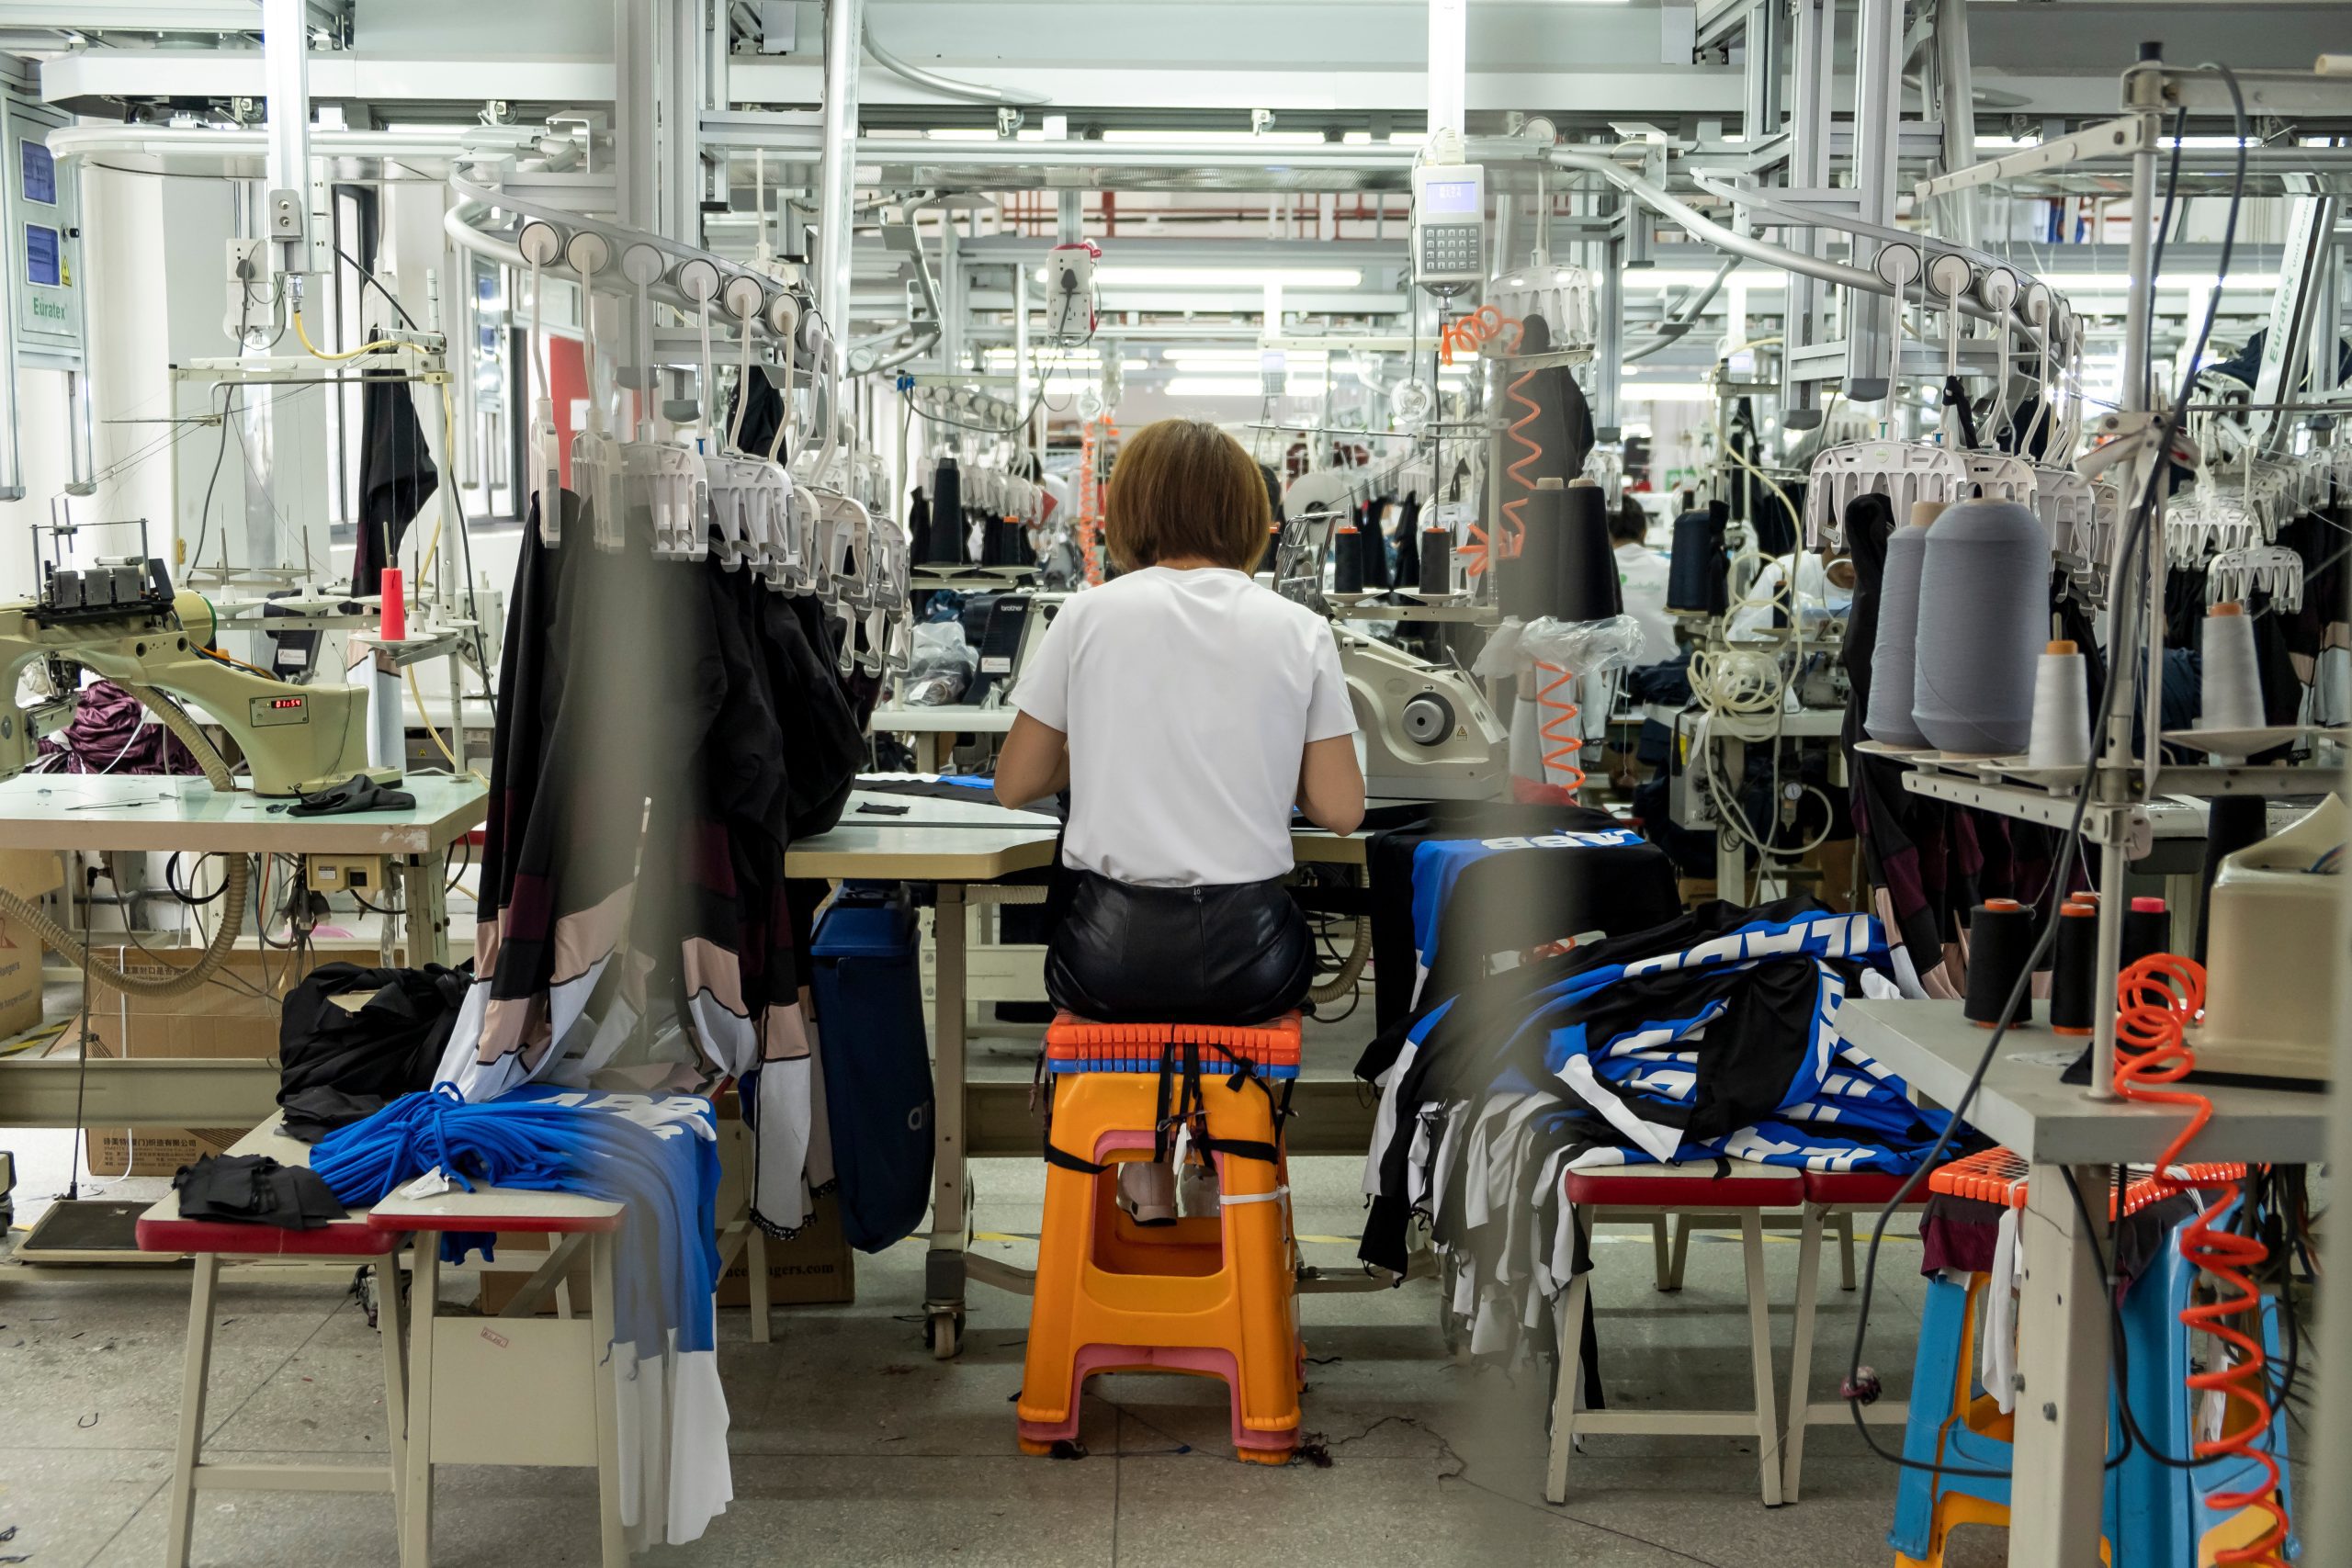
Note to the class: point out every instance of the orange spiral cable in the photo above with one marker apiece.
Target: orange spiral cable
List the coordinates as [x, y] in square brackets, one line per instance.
[2155, 1000]
[1561, 743]
[1469, 336]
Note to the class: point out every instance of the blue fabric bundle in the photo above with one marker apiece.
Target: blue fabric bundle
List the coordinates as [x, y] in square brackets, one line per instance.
[656, 1154]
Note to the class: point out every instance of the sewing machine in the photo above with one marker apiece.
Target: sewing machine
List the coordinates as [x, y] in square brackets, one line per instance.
[120, 619]
[1428, 732]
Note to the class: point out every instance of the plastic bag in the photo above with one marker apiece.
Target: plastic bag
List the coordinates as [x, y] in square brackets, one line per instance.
[940, 667]
[1587, 648]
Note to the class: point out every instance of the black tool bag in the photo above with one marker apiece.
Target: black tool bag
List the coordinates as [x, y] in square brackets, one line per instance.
[338, 1064]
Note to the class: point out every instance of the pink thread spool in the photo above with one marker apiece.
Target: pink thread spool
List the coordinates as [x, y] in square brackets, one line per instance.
[394, 625]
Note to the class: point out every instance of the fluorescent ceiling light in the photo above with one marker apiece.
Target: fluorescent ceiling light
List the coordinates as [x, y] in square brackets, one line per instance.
[1665, 393]
[2118, 282]
[1245, 358]
[1218, 137]
[1664, 277]
[1226, 386]
[1226, 276]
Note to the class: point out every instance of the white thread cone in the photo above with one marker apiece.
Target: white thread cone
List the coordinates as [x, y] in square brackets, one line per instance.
[2062, 719]
[2231, 689]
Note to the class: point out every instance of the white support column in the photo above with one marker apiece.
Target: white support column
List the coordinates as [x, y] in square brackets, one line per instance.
[286, 74]
[1878, 114]
[1956, 111]
[837, 177]
[2328, 1534]
[681, 77]
[1768, 22]
[1812, 69]
[1449, 65]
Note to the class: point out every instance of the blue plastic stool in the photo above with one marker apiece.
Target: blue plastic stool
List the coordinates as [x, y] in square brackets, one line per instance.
[2153, 1516]
[1945, 1401]
[2164, 1512]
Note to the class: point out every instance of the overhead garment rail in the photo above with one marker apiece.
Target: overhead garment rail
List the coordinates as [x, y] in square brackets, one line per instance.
[783, 317]
[474, 224]
[1501, 152]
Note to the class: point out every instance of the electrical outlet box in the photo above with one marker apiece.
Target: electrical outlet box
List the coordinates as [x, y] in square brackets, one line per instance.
[362, 874]
[286, 215]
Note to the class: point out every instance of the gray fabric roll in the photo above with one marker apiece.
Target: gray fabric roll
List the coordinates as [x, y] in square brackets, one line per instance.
[1888, 719]
[1983, 621]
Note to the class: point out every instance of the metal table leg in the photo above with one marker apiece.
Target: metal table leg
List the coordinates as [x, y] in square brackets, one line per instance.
[180, 1516]
[1731, 851]
[950, 1228]
[425, 891]
[2059, 1489]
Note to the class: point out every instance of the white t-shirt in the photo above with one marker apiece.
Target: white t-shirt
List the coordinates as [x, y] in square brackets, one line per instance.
[1641, 575]
[1188, 697]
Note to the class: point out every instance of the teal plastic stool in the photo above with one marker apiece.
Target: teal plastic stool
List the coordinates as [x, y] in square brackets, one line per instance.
[2154, 1516]
[2164, 1510]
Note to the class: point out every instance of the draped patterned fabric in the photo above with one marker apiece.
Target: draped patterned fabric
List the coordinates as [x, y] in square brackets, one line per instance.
[665, 729]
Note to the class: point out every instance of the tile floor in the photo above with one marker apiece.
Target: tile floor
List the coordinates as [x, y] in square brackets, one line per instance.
[851, 1446]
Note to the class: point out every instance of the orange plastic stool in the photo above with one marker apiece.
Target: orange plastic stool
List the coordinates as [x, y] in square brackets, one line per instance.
[1208, 1296]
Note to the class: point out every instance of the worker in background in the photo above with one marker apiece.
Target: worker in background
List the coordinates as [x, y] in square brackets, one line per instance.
[1641, 579]
[1186, 709]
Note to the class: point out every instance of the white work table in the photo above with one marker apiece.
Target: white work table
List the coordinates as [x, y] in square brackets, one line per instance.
[165, 813]
[935, 728]
[90, 811]
[2062, 1321]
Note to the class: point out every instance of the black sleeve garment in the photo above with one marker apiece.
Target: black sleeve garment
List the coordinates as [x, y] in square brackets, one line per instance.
[397, 475]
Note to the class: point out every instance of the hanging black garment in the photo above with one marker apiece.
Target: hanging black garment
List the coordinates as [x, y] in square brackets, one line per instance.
[396, 476]
[1560, 425]
[338, 1065]
[761, 414]
[1374, 543]
[1408, 542]
[919, 526]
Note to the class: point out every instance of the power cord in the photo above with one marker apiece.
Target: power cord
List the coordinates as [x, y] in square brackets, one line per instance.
[2132, 567]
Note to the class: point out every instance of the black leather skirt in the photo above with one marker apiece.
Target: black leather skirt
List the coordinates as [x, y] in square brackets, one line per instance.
[1238, 953]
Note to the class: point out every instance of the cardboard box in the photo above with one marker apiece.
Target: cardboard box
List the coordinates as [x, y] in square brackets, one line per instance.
[235, 1017]
[28, 874]
[814, 1268]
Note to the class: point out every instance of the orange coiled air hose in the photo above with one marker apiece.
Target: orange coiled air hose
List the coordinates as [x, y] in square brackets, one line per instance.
[1561, 741]
[1468, 335]
[2155, 1000]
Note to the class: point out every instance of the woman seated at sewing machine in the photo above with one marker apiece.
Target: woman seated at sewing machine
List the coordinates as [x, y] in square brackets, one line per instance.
[1186, 709]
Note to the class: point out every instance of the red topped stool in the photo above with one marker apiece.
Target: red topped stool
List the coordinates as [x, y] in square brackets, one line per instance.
[1839, 1195]
[1708, 1186]
[350, 1240]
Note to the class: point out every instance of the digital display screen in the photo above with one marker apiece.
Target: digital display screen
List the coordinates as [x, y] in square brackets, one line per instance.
[39, 172]
[1450, 198]
[44, 258]
[282, 703]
